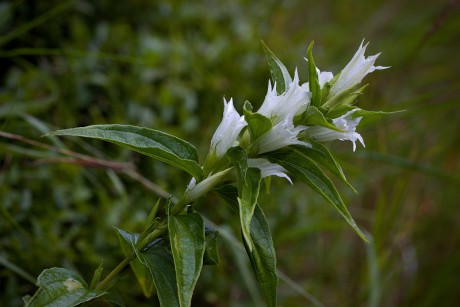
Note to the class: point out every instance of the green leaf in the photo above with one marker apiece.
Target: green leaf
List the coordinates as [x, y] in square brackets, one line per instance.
[320, 154]
[230, 194]
[61, 287]
[313, 82]
[263, 256]
[157, 266]
[153, 143]
[211, 254]
[279, 73]
[160, 262]
[238, 157]
[344, 98]
[257, 123]
[314, 117]
[247, 201]
[187, 236]
[142, 273]
[327, 87]
[97, 275]
[368, 116]
[306, 170]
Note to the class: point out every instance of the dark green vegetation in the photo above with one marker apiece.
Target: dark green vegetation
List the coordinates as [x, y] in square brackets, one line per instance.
[167, 67]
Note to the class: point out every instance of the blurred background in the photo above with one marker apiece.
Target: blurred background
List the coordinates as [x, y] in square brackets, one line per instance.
[167, 65]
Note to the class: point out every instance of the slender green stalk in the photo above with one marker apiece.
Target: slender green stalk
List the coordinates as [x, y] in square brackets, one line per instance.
[107, 280]
[160, 230]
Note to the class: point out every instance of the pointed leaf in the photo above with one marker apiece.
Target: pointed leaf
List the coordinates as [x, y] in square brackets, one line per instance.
[305, 169]
[230, 194]
[313, 82]
[344, 98]
[280, 74]
[257, 123]
[368, 116]
[318, 153]
[160, 262]
[154, 264]
[153, 143]
[61, 287]
[142, 273]
[263, 256]
[247, 201]
[314, 117]
[238, 157]
[186, 233]
[327, 87]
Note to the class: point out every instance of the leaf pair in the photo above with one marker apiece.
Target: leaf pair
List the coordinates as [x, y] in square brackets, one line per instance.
[254, 227]
[173, 269]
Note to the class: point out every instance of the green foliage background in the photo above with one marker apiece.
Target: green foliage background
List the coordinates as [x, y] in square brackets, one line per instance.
[167, 65]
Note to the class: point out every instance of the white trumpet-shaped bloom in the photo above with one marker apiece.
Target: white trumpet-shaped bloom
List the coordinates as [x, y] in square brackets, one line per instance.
[269, 169]
[280, 135]
[279, 107]
[355, 71]
[230, 127]
[347, 123]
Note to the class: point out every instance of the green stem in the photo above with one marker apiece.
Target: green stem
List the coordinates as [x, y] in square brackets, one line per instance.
[161, 229]
[107, 280]
[177, 208]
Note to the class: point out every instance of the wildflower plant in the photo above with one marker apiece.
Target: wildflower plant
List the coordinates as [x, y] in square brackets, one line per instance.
[283, 138]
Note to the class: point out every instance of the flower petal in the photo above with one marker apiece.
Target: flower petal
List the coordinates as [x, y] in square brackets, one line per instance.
[229, 129]
[347, 123]
[269, 169]
[281, 135]
[285, 106]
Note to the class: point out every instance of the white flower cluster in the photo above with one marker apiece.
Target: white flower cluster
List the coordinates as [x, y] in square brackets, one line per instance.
[282, 108]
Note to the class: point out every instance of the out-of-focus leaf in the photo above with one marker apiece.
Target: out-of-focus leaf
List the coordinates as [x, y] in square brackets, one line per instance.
[153, 143]
[61, 287]
[263, 256]
[279, 72]
[211, 253]
[306, 170]
[187, 236]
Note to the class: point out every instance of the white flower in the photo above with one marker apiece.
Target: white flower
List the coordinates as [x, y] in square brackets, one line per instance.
[279, 107]
[347, 123]
[269, 169]
[229, 129]
[355, 71]
[280, 135]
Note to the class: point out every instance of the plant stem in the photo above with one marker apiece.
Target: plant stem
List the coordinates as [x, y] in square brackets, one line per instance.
[104, 283]
[161, 229]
